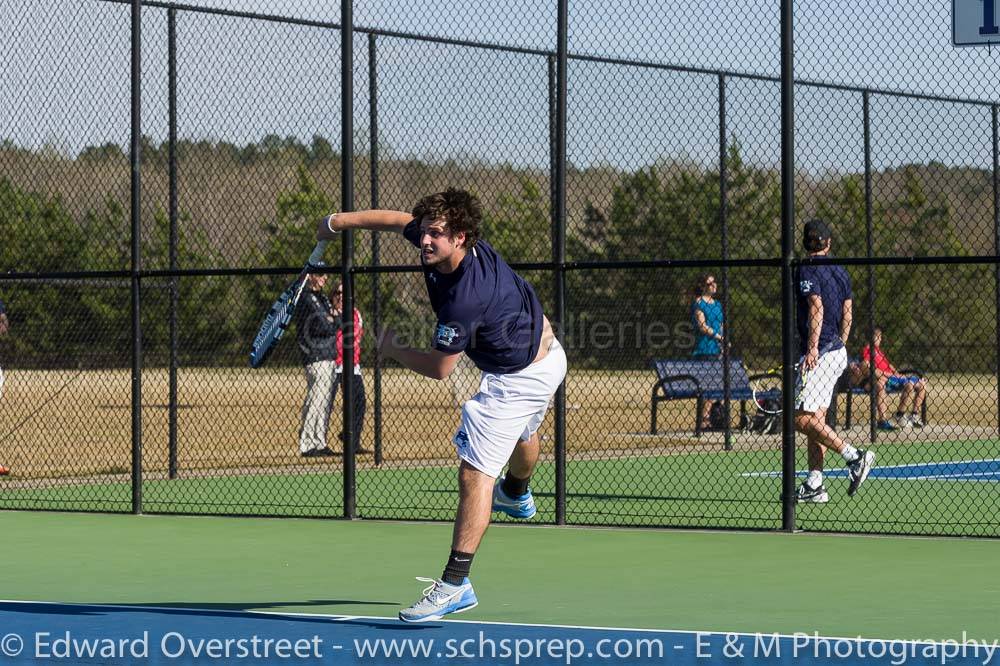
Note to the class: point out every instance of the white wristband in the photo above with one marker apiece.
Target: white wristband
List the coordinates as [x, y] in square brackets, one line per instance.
[329, 223]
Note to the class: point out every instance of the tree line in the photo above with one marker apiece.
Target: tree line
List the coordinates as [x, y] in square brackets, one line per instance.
[937, 317]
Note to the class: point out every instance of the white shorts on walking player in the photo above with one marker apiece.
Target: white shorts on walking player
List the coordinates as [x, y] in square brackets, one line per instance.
[507, 408]
[817, 390]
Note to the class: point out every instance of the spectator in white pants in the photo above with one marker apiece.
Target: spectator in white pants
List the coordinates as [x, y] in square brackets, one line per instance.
[317, 334]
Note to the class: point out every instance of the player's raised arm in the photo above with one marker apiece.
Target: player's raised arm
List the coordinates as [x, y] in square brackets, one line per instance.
[372, 220]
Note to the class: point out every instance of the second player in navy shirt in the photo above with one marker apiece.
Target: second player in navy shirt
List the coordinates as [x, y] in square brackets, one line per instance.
[824, 314]
[833, 286]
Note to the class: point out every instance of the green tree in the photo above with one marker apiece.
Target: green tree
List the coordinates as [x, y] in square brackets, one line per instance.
[39, 235]
[677, 215]
[519, 225]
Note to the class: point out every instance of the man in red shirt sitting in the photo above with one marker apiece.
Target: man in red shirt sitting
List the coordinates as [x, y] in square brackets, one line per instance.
[913, 389]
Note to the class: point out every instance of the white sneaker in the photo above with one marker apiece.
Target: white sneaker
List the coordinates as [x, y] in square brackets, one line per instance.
[440, 599]
[817, 495]
[858, 470]
[904, 422]
[915, 421]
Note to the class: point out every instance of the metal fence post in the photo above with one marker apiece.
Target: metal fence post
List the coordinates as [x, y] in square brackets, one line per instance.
[376, 296]
[996, 241]
[551, 62]
[172, 250]
[787, 257]
[347, 244]
[870, 253]
[559, 246]
[724, 232]
[135, 144]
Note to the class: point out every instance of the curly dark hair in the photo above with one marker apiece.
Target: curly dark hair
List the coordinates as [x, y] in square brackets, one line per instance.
[460, 210]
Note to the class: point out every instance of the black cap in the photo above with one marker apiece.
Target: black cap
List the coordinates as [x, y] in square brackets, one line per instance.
[815, 235]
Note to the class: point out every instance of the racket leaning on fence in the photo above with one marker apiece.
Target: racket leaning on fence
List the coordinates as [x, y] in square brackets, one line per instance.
[280, 314]
[767, 389]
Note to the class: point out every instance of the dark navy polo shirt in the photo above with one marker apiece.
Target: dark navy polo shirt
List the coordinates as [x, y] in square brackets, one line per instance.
[3, 308]
[483, 308]
[833, 285]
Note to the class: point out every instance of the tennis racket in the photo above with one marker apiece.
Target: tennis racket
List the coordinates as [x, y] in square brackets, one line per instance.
[280, 314]
[767, 389]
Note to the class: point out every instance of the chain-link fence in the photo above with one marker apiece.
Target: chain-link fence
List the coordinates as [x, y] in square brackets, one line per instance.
[629, 161]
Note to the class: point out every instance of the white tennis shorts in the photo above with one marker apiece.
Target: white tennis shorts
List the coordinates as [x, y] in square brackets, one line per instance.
[508, 408]
[817, 390]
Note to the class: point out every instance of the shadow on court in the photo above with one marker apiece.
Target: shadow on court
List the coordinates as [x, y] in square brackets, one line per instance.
[607, 497]
[186, 608]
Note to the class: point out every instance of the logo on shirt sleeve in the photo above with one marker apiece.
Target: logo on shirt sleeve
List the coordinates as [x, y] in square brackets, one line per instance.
[446, 335]
[805, 286]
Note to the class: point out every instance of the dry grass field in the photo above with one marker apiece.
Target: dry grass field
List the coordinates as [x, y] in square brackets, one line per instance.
[77, 424]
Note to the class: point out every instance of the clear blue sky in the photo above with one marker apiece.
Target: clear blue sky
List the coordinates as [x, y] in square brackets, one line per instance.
[67, 80]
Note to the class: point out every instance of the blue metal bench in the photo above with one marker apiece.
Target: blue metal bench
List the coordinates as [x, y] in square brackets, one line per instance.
[687, 379]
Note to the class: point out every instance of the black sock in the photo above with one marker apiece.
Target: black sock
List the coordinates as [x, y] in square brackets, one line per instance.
[514, 487]
[899, 414]
[457, 568]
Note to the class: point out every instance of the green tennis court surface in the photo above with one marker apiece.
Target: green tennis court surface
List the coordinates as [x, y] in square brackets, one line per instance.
[928, 491]
[887, 587]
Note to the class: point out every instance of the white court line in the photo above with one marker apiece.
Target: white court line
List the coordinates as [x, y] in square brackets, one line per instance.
[949, 462]
[961, 475]
[345, 618]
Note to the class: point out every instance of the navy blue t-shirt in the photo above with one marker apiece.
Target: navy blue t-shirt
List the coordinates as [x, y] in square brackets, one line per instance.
[483, 308]
[833, 285]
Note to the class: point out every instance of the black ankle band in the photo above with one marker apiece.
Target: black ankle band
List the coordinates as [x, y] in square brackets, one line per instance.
[458, 567]
[514, 487]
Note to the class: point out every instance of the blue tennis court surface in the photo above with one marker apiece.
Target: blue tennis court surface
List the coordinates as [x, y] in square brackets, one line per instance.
[961, 470]
[90, 634]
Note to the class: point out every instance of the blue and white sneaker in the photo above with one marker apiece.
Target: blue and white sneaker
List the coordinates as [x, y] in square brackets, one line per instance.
[522, 507]
[440, 599]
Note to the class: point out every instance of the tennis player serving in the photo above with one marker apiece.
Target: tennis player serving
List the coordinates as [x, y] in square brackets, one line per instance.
[487, 311]
[823, 317]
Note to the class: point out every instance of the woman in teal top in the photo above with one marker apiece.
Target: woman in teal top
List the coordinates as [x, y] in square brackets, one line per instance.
[706, 316]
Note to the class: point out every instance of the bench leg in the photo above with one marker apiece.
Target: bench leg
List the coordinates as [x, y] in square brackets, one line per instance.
[847, 410]
[652, 416]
